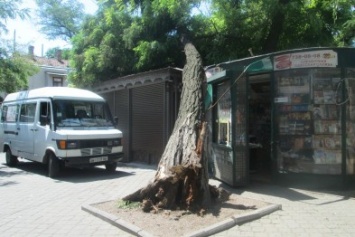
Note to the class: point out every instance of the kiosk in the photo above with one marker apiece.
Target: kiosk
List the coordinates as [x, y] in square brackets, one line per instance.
[286, 115]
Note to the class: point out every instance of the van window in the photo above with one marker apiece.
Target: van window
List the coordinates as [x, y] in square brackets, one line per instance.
[9, 113]
[45, 113]
[45, 109]
[27, 114]
[81, 113]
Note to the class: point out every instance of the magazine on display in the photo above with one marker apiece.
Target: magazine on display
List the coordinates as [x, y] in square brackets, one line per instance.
[325, 112]
[326, 84]
[293, 80]
[324, 97]
[294, 108]
[327, 127]
[300, 98]
[326, 157]
[295, 128]
[296, 116]
[325, 89]
[295, 123]
[295, 143]
[326, 142]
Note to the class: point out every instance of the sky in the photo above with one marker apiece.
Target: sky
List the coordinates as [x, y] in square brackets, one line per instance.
[26, 32]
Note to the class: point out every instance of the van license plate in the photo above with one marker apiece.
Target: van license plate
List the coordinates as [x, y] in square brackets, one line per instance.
[98, 159]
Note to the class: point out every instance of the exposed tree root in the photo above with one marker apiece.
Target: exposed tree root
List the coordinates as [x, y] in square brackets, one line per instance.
[184, 194]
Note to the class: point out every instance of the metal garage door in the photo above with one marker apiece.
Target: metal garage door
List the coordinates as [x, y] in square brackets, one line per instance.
[148, 123]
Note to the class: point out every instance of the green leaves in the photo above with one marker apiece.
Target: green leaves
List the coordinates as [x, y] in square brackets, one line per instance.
[130, 36]
[14, 72]
[60, 19]
[14, 68]
[9, 9]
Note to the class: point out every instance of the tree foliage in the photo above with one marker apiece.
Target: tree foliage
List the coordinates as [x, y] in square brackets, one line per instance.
[14, 72]
[52, 53]
[99, 50]
[14, 67]
[9, 9]
[60, 18]
[128, 36]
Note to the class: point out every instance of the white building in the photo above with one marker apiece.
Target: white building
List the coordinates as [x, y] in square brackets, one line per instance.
[53, 71]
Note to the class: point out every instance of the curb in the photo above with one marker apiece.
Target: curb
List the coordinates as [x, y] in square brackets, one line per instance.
[213, 229]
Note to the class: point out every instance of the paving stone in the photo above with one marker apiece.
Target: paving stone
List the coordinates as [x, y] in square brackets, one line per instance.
[34, 205]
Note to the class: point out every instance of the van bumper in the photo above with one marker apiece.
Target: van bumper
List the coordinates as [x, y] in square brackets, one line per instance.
[85, 161]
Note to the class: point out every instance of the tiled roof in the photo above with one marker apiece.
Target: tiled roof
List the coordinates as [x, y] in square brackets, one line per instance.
[53, 62]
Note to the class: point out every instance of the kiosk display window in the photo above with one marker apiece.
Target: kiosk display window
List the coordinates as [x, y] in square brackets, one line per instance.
[223, 132]
[309, 124]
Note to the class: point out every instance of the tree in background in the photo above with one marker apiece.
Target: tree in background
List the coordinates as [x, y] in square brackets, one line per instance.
[14, 67]
[99, 51]
[345, 35]
[266, 26]
[52, 53]
[9, 9]
[60, 19]
[126, 37]
[14, 72]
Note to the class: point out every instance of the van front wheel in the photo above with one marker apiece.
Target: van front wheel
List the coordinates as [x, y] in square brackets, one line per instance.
[11, 160]
[53, 166]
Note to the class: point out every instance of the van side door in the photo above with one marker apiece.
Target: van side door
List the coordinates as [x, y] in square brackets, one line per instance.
[27, 129]
[44, 133]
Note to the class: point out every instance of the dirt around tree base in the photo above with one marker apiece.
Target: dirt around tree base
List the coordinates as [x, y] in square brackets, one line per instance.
[181, 222]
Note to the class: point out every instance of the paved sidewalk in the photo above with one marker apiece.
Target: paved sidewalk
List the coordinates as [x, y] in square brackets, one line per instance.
[32, 204]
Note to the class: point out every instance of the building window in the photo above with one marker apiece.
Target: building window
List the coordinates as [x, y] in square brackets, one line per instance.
[57, 81]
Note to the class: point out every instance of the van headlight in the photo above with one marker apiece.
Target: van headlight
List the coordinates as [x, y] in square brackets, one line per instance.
[65, 144]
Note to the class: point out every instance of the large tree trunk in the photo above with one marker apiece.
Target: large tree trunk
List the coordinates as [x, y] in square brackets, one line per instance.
[182, 176]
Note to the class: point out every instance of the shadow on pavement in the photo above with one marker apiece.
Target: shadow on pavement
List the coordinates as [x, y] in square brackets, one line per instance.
[270, 190]
[67, 174]
[287, 192]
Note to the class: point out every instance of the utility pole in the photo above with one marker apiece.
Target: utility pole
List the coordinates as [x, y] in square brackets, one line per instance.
[14, 47]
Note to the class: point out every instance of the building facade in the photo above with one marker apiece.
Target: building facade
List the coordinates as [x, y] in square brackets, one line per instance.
[146, 106]
[53, 71]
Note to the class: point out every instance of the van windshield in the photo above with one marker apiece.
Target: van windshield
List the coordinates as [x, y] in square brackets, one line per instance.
[72, 113]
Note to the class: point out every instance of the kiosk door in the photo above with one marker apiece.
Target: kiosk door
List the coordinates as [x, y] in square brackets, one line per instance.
[260, 128]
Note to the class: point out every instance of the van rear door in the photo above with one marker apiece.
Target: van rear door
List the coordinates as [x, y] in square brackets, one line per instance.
[9, 116]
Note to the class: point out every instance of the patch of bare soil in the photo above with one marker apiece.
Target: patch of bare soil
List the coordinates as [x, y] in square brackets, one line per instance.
[180, 222]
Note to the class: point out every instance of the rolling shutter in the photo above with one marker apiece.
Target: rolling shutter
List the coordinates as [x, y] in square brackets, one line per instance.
[148, 123]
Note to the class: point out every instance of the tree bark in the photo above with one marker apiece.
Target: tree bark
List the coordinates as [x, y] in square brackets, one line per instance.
[181, 179]
[276, 27]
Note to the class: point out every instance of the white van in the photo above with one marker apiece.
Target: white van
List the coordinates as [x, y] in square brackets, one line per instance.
[59, 126]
